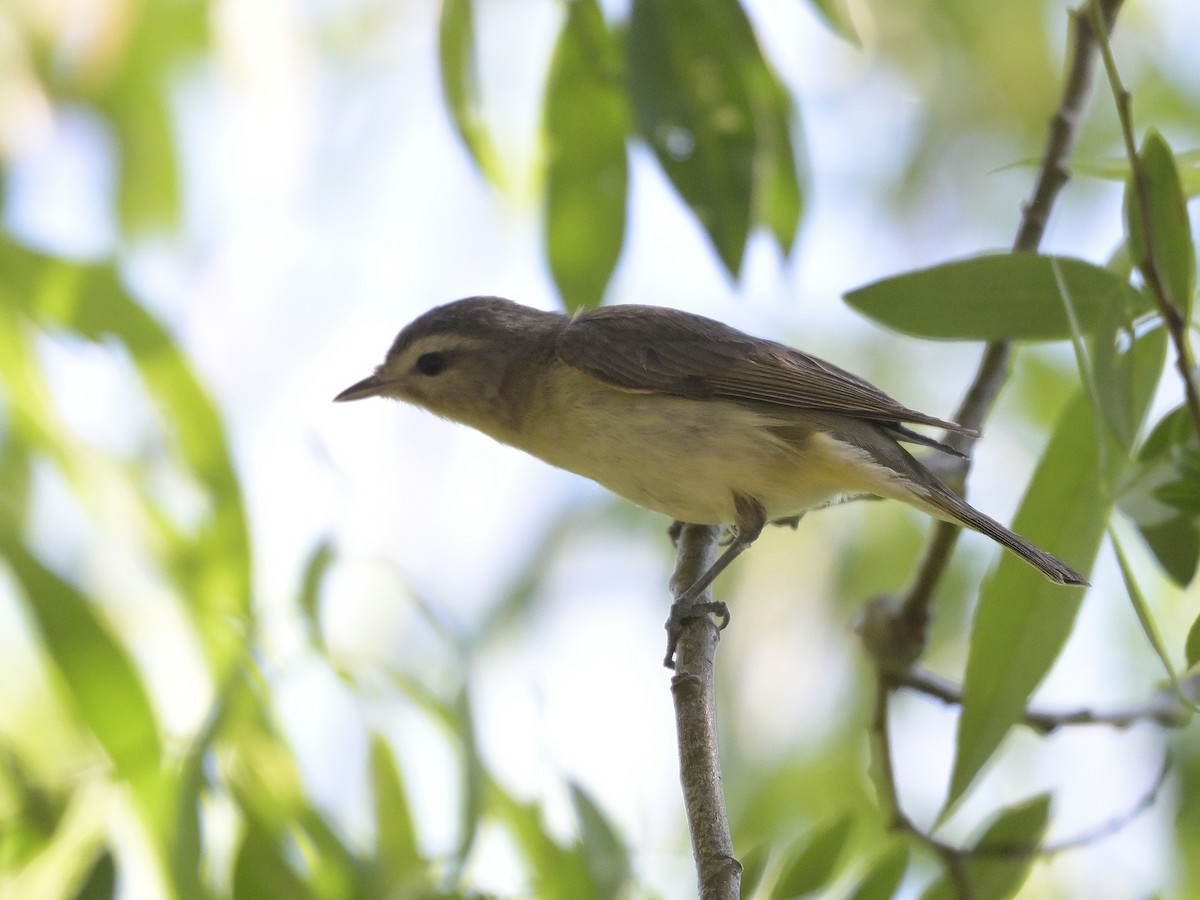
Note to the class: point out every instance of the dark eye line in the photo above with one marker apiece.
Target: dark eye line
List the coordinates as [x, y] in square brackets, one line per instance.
[432, 363]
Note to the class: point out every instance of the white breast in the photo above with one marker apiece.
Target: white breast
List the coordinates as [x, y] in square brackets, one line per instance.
[688, 458]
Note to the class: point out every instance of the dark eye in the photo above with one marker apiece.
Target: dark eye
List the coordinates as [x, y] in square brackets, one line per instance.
[431, 363]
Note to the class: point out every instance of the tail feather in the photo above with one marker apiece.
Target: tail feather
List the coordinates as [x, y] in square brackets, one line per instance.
[954, 508]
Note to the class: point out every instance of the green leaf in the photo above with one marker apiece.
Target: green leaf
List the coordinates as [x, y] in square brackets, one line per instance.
[693, 108]
[402, 870]
[261, 870]
[136, 98]
[1014, 837]
[607, 855]
[1187, 164]
[101, 883]
[1191, 647]
[586, 172]
[1157, 495]
[101, 680]
[1165, 213]
[1146, 620]
[1012, 296]
[319, 563]
[816, 863]
[1111, 373]
[1023, 620]
[884, 876]
[754, 866]
[556, 871]
[211, 566]
[836, 14]
[460, 84]
[778, 202]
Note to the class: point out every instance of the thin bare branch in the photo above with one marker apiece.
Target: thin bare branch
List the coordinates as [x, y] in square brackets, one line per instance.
[1150, 265]
[718, 873]
[1163, 708]
[1053, 174]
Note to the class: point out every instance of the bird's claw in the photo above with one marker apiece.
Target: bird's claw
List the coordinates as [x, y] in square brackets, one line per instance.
[681, 611]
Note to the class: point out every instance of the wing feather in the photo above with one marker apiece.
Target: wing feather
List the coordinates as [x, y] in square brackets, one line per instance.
[674, 352]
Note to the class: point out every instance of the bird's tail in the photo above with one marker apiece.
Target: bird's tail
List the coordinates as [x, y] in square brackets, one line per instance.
[948, 505]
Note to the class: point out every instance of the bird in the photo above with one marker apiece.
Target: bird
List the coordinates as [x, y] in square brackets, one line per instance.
[677, 413]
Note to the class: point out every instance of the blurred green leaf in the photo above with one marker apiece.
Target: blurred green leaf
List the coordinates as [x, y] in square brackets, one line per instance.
[816, 862]
[260, 869]
[754, 865]
[1013, 296]
[1166, 214]
[1191, 647]
[457, 720]
[693, 108]
[556, 871]
[586, 122]
[778, 202]
[607, 855]
[836, 14]
[281, 823]
[315, 570]
[460, 84]
[101, 883]
[1187, 164]
[402, 871]
[162, 39]
[104, 686]
[211, 566]
[1023, 620]
[1014, 837]
[884, 875]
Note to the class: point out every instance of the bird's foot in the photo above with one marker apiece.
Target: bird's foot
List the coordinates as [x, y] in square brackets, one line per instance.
[684, 609]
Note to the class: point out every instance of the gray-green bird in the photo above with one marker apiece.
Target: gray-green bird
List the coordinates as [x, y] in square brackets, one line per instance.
[676, 412]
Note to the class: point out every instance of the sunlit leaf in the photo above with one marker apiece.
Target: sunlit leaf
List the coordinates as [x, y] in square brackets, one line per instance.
[817, 860]
[1166, 215]
[315, 569]
[586, 122]
[1191, 647]
[211, 567]
[1023, 620]
[397, 855]
[607, 855]
[1014, 835]
[778, 201]
[454, 716]
[460, 84]
[162, 39]
[693, 108]
[104, 685]
[836, 14]
[1016, 296]
[101, 883]
[884, 875]
[1187, 164]
[556, 871]
[260, 869]
[754, 866]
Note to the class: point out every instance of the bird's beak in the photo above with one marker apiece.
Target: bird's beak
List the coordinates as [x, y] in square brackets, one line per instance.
[370, 386]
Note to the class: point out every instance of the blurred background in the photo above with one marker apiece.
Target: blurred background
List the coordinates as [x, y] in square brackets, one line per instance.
[376, 653]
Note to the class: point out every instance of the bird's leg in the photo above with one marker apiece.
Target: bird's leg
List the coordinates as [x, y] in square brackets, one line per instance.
[751, 519]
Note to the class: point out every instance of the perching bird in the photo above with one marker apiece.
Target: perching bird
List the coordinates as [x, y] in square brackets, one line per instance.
[677, 413]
